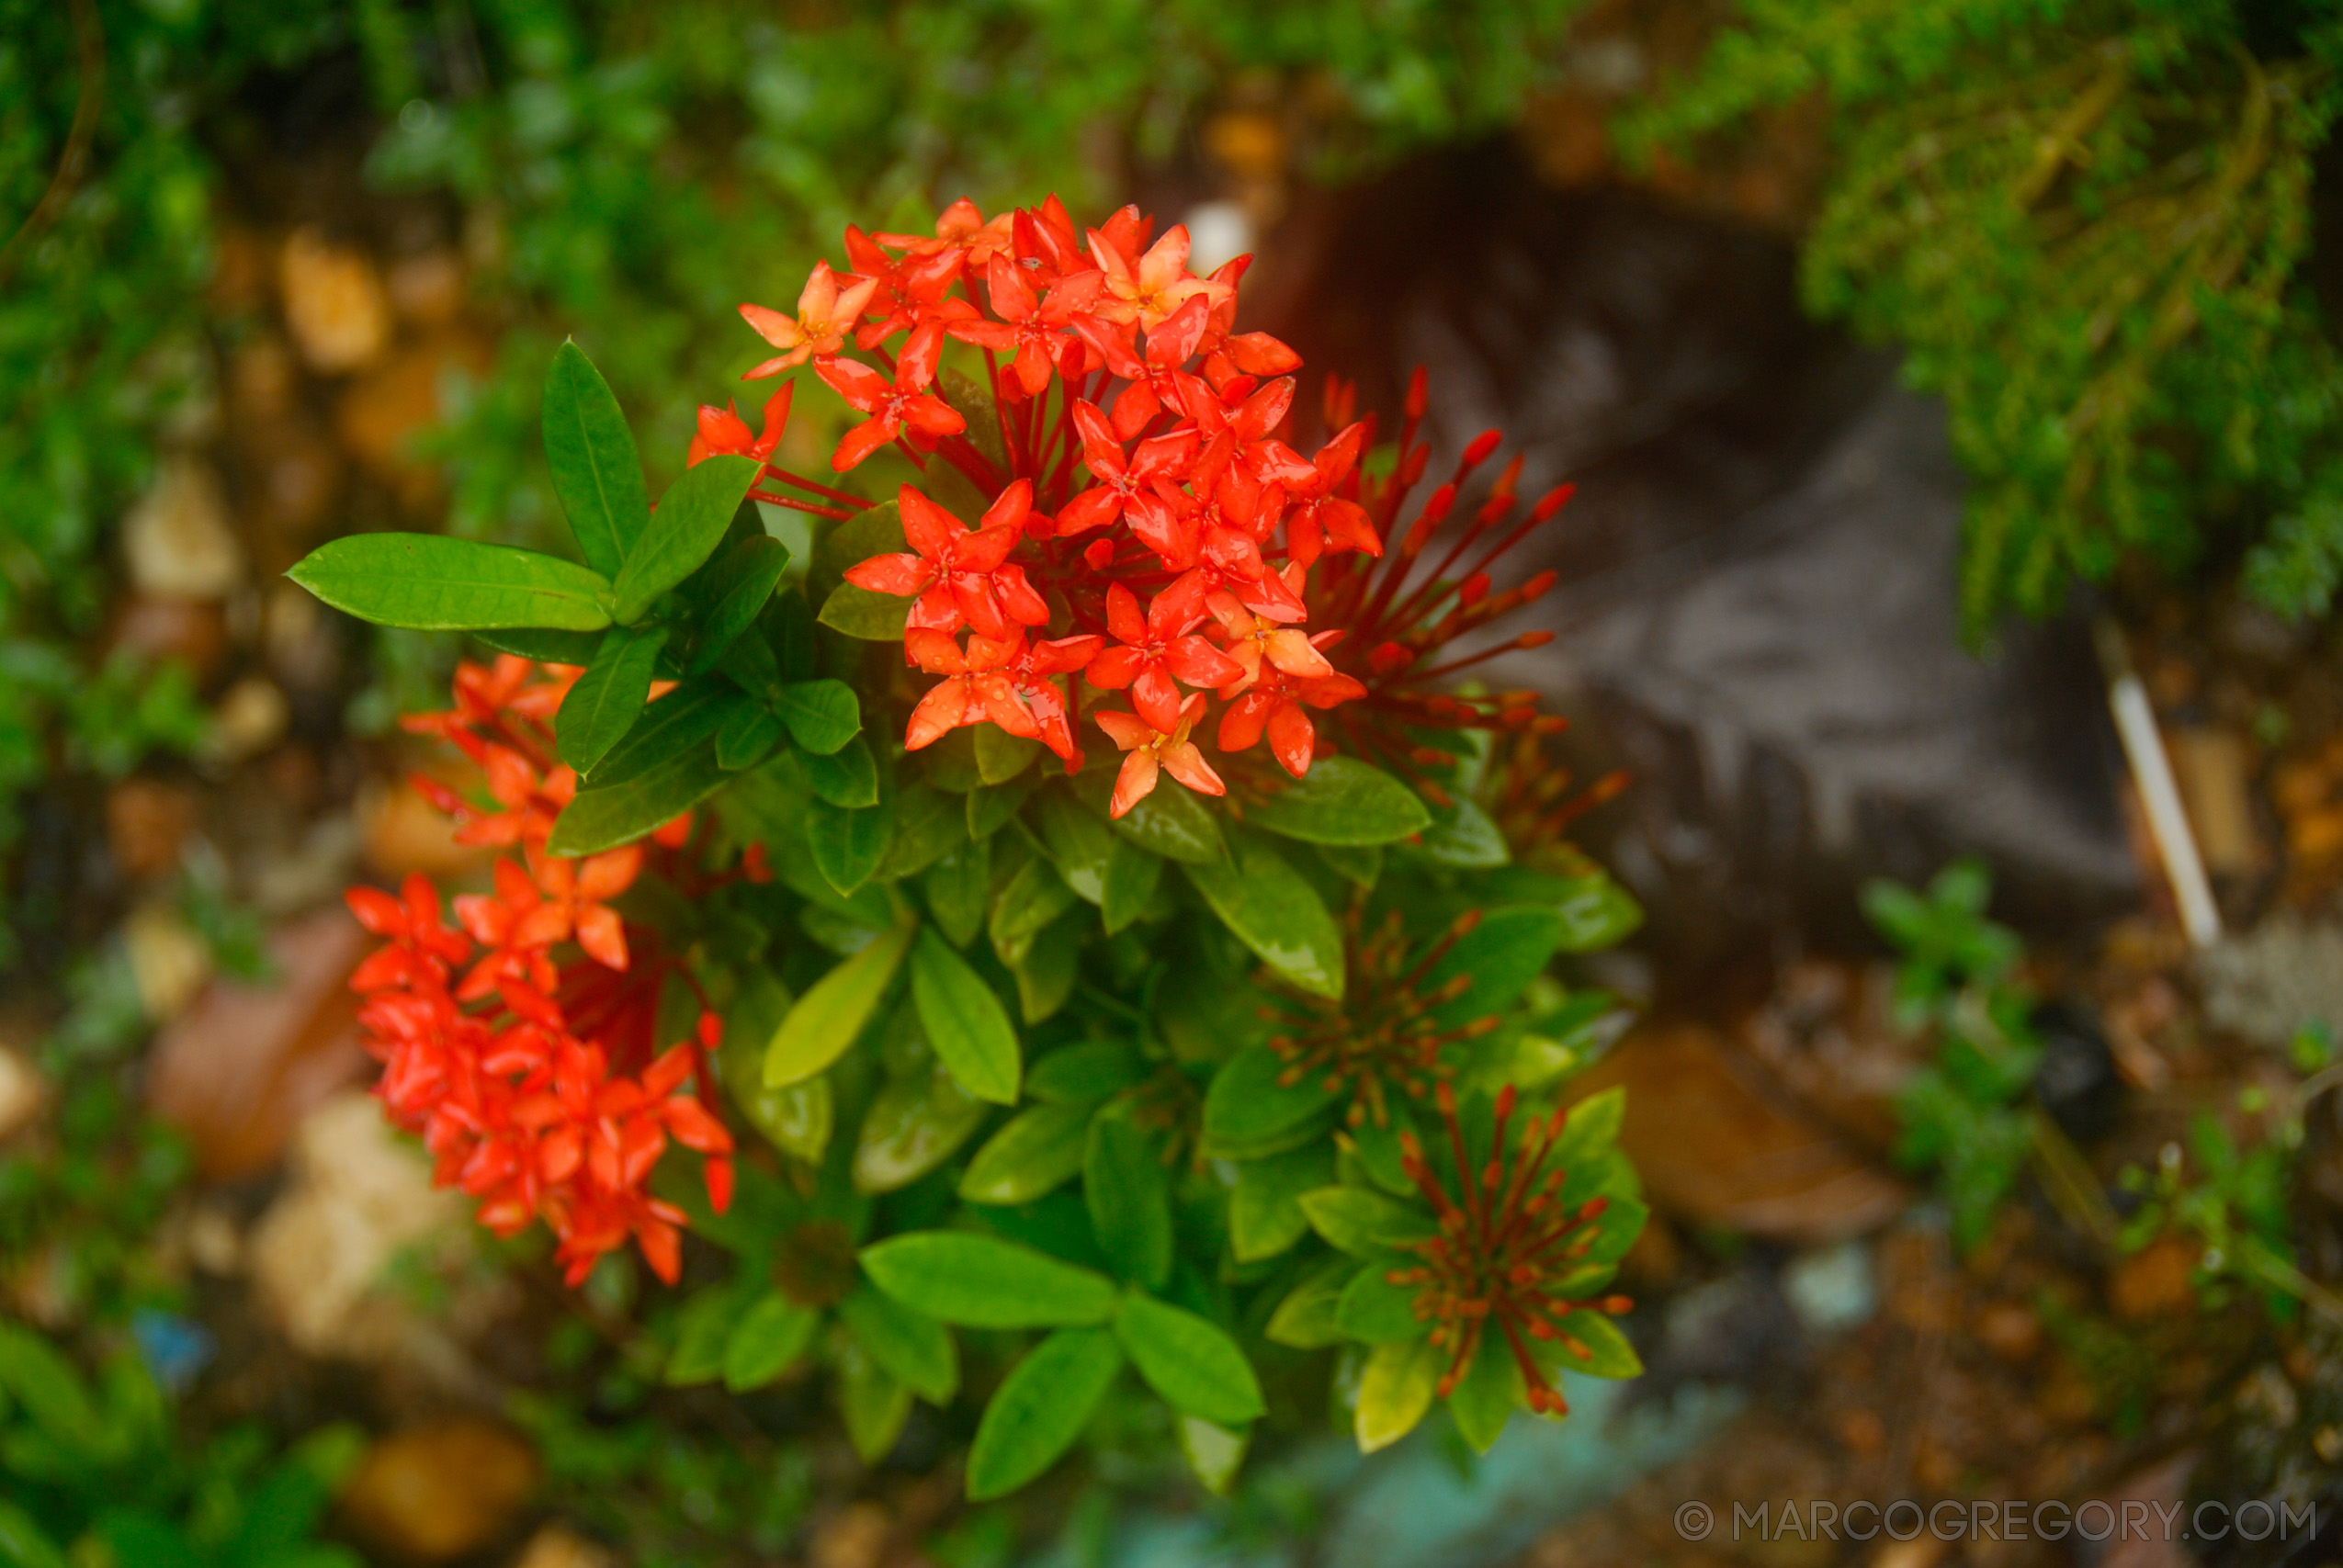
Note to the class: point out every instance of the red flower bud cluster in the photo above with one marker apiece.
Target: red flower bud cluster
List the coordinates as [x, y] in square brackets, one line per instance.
[520, 1043]
[1145, 505]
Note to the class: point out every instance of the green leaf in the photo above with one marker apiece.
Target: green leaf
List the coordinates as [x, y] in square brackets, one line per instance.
[1608, 1353]
[1265, 1210]
[874, 531]
[822, 715]
[748, 736]
[1045, 976]
[605, 702]
[428, 583]
[607, 816]
[1129, 1195]
[1077, 841]
[1085, 1074]
[1001, 756]
[1040, 1408]
[1193, 1365]
[955, 886]
[1365, 1224]
[981, 1281]
[1596, 913]
[847, 777]
[1360, 863]
[1305, 1318]
[596, 473]
[1214, 1453]
[909, 1344]
[1504, 954]
[694, 711]
[22, 1542]
[748, 572]
[965, 1022]
[915, 1124]
[928, 826]
[1035, 1151]
[862, 613]
[872, 1401]
[1031, 899]
[702, 1330]
[1396, 1391]
[1486, 1396]
[833, 1010]
[1129, 884]
[972, 400]
[692, 520]
[1248, 1112]
[771, 1335]
[1465, 837]
[1342, 801]
[990, 807]
[1273, 910]
[539, 643]
[1376, 1311]
[1171, 821]
[848, 845]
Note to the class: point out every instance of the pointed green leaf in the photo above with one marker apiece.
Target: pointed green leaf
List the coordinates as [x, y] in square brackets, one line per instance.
[772, 1334]
[981, 1281]
[990, 807]
[704, 1329]
[1129, 885]
[1365, 1224]
[1085, 1074]
[833, 1010]
[955, 886]
[1465, 837]
[604, 702]
[694, 711]
[822, 715]
[540, 643]
[848, 845]
[1077, 841]
[748, 738]
[1040, 1408]
[1129, 1195]
[1028, 901]
[1273, 910]
[1265, 1210]
[1248, 1112]
[1486, 1396]
[909, 1344]
[874, 531]
[1502, 954]
[1342, 801]
[1035, 1151]
[1608, 1354]
[915, 1124]
[596, 473]
[1001, 756]
[23, 1543]
[965, 1022]
[1171, 821]
[864, 614]
[692, 519]
[607, 816]
[1596, 913]
[1305, 1319]
[1396, 1391]
[1214, 1453]
[1360, 863]
[428, 583]
[847, 777]
[873, 1403]
[928, 826]
[1189, 1361]
[746, 574]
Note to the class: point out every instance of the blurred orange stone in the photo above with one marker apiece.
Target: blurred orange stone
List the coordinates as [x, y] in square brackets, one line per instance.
[333, 302]
[441, 1490]
[239, 1067]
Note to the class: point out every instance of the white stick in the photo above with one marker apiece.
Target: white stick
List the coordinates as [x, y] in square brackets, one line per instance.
[2168, 821]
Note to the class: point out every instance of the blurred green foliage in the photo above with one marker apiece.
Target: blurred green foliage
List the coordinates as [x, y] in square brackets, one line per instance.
[2083, 220]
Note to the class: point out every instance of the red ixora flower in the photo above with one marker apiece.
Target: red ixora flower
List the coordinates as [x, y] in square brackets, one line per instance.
[1139, 489]
[533, 1082]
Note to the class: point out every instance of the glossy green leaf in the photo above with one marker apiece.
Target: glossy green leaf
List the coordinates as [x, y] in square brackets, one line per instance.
[1171, 821]
[1035, 1152]
[957, 886]
[928, 826]
[1396, 1392]
[1189, 1360]
[794, 1117]
[1365, 1224]
[1129, 1195]
[874, 531]
[848, 845]
[607, 816]
[1596, 913]
[692, 519]
[1486, 1396]
[991, 807]
[604, 702]
[1129, 887]
[23, 1544]
[981, 1281]
[972, 400]
[1504, 954]
[596, 473]
[1248, 1112]
[822, 715]
[1305, 1318]
[1374, 1311]
[965, 1022]
[1085, 1074]
[1265, 1210]
[1609, 1354]
[746, 575]
[834, 1009]
[748, 738]
[1028, 901]
[429, 583]
[1040, 1408]
[1078, 841]
[873, 1403]
[1342, 801]
[1001, 756]
[909, 1344]
[771, 1335]
[1047, 973]
[913, 1125]
[1465, 837]
[1273, 910]
[865, 615]
[847, 777]
[540, 643]
[950, 763]
[1359, 863]
[694, 711]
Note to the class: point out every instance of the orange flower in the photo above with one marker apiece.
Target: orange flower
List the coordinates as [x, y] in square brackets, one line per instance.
[1148, 750]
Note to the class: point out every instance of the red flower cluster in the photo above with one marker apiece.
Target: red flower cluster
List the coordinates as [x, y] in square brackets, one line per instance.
[1146, 502]
[532, 1078]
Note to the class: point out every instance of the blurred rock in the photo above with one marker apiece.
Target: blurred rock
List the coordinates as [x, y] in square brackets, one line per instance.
[2272, 981]
[427, 287]
[177, 539]
[379, 416]
[22, 1092]
[241, 1067]
[263, 381]
[1714, 1151]
[252, 716]
[295, 473]
[554, 1547]
[191, 631]
[146, 822]
[240, 270]
[169, 961]
[300, 642]
[333, 302]
[357, 1195]
[403, 832]
[2277, 1436]
[442, 1490]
